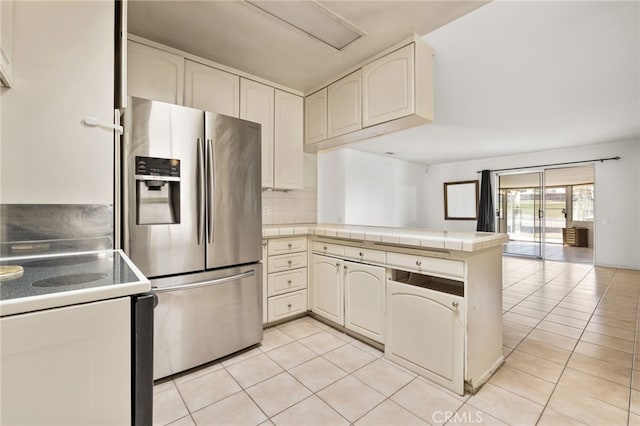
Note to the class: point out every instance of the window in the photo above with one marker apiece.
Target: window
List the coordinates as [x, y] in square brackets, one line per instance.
[583, 203]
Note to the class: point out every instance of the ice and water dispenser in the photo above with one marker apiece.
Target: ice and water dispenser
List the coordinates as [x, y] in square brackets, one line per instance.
[157, 191]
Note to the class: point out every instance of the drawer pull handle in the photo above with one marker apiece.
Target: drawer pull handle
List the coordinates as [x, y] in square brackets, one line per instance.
[418, 262]
[289, 245]
[289, 305]
[361, 254]
[455, 304]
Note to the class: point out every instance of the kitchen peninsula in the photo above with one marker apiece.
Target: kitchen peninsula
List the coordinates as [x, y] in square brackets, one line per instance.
[432, 298]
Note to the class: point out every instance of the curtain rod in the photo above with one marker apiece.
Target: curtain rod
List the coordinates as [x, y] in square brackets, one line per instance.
[555, 164]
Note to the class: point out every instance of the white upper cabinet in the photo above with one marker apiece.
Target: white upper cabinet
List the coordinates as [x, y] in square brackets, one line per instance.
[211, 89]
[315, 117]
[388, 87]
[391, 92]
[154, 74]
[164, 74]
[288, 140]
[344, 105]
[6, 42]
[257, 105]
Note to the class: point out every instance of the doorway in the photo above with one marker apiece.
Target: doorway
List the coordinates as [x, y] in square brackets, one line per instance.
[548, 213]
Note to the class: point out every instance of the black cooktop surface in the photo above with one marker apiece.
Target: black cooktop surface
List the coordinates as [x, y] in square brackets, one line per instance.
[59, 273]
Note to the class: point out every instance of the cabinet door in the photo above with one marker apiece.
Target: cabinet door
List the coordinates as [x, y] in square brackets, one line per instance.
[364, 294]
[211, 89]
[257, 105]
[344, 105]
[327, 297]
[154, 74]
[67, 366]
[315, 117]
[425, 333]
[388, 87]
[287, 171]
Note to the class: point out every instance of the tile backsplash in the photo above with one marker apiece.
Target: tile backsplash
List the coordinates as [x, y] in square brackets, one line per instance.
[299, 206]
[295, 206]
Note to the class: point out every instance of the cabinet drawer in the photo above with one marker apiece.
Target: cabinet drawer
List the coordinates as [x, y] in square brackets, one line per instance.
[287, 262]
[287, 245]
[328, 248]
[426, 264]
[289, 304]
[365, 255]
[285, 282]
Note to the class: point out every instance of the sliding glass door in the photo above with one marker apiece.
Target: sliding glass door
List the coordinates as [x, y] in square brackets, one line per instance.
[537, 209]
[521, 212]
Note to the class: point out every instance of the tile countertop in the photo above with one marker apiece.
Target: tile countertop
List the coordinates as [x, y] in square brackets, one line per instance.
[411, 237]
[56, 280]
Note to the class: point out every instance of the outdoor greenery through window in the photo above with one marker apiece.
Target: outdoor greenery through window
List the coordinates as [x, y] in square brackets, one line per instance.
[583, 203]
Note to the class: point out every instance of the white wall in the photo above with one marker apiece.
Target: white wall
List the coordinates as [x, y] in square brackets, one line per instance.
[359, 188]
[63, 60]
[617, 195]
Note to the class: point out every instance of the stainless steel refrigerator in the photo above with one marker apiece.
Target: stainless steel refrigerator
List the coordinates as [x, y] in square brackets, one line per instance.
[192, 223]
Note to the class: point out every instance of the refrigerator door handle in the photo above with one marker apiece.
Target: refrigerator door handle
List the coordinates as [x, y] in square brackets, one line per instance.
[211, 189]
[201, 192]
[204, 283]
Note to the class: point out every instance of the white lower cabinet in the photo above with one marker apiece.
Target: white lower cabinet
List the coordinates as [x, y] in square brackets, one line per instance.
[287, 305]
[364, 296]
[285, 284]
[349, 294]
[327, 299]
[426, 333]
[67, 366]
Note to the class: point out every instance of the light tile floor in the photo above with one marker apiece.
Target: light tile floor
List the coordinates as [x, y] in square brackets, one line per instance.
[572, 357]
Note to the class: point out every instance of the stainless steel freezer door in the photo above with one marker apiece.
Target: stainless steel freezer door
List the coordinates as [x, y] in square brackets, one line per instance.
[205, 316]
[161, 130]
[234, 179]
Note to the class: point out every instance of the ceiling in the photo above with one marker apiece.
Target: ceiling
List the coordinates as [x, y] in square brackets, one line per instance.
[510, 76]
[239, 35]
[520, 76]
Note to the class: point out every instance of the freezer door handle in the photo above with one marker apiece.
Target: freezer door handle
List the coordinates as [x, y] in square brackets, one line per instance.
[204, 283]
[211, 188]
[201, 192]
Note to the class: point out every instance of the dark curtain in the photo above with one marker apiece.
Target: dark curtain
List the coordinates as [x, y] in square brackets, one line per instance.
[486, 220]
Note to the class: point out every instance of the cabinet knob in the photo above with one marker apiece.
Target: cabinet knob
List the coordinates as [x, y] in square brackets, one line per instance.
[361, 254]
[418, 262]
[289, 262]
[289, 305]
[338, 264]
[289, 282]
[290, 245]
[455, 304]
[345, 267]
[324, 247]
[264, 244]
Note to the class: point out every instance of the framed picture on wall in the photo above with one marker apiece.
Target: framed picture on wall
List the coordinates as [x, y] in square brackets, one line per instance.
[461, 200]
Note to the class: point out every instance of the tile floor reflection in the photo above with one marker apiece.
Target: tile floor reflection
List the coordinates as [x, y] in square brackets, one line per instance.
[572, 357]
